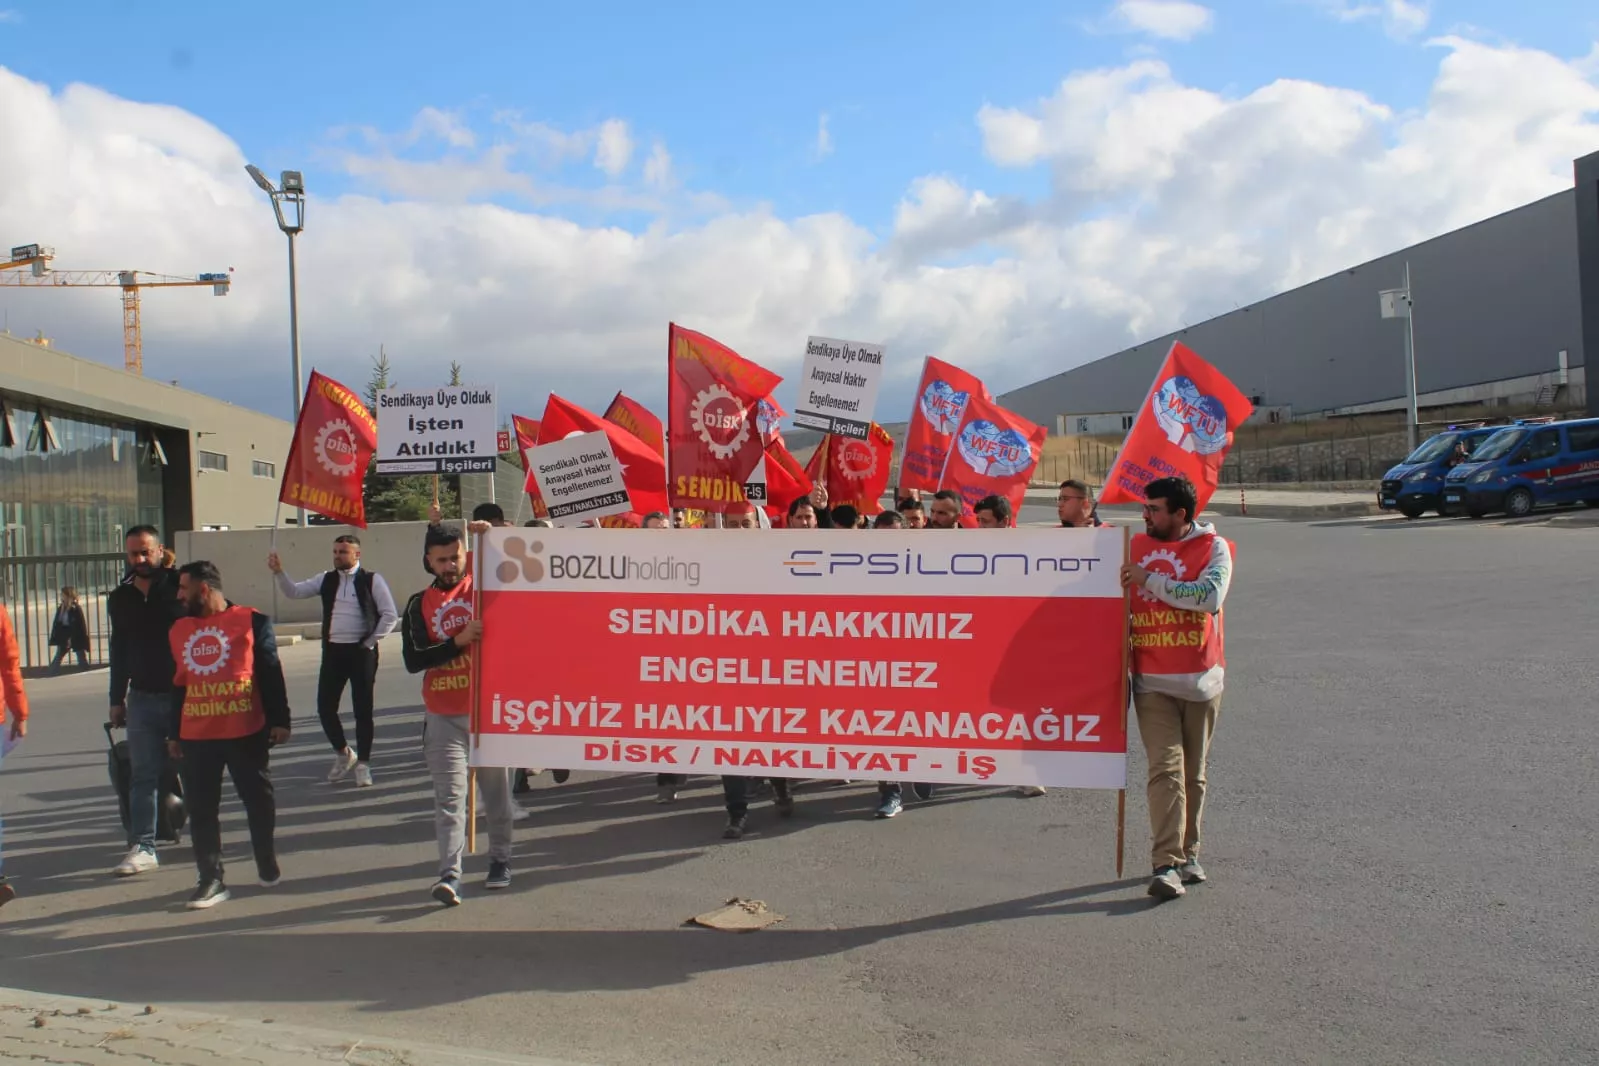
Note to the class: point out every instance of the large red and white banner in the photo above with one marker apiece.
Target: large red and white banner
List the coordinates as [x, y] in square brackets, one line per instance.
[993, 657]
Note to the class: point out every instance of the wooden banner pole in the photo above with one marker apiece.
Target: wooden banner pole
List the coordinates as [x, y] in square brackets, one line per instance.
[1127, 650]
[476, 652]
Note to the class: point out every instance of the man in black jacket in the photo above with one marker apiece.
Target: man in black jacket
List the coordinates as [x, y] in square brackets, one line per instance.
[142, 611]
[228, 708]
[357, 611]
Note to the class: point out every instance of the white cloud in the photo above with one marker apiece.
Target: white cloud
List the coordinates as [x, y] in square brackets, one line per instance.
[1401, 19]
[613, 147]
[824, 137]
[1167, 203]
[1172, 20]
[11, 16]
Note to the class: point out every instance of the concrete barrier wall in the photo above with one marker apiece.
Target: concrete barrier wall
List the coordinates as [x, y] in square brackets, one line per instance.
[393, 549]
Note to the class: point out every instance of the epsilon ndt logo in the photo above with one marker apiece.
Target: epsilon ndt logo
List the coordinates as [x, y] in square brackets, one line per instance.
[522, 560]
[335, 448]
[720, 421]
[206, 651]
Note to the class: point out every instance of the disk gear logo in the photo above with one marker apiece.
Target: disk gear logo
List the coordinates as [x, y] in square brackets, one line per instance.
[856, 459]
[1171, 567]
[335, 448]
[451, 617]
[720, 421]
[1191, 420]
[206, 651]
[522, 560]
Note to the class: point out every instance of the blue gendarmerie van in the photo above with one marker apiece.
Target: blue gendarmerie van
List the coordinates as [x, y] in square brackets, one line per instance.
[1416, 485]
[1526, 466]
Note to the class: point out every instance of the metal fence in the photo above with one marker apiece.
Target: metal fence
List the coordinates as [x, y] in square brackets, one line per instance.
[30, 588]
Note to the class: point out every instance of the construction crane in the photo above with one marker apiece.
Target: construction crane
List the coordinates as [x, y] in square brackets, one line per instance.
[36, 258]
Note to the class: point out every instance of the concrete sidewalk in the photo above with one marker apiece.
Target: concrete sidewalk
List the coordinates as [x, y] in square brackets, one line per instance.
[64, 1029]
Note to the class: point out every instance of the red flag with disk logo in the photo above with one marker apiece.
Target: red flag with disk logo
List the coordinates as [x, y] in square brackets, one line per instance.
[993, 454]
[786, 480]
[643, 471]
[940, 402]
[712, 393]
[637, 420]
[527, 437]
[1185, 426]
[857, 470]
[333, 444]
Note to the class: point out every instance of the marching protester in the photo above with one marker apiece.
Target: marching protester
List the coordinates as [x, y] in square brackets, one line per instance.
[910, 508]
[655, 520]
[736, 790]
[142, 610]
[890, 795]
[845, 516]
[679, 518]
[13, 717]
[69, 632]
[228, 708]
[946, 510]
[357, 612]
[1075, 505]
[438, 632]
[1178, 670]
[889, 520]
[802, 513]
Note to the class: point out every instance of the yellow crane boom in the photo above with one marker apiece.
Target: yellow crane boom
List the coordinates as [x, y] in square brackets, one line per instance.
[40, 275]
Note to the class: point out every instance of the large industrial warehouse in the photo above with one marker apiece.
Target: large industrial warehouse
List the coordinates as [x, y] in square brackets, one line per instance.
[1499, 319]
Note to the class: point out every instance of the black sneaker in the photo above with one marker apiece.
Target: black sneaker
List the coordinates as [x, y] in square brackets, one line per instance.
[519, 785]
[207, 894]
[735, 828]
[784, 802]
[560, 776]
[447, 890]
[499, 875]
[923, 792]
[269, 874]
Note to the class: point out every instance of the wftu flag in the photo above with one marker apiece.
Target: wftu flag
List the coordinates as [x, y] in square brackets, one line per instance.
[334, 440]
[940, 404]
[1185, 426]
[994, 454]
[713, 441]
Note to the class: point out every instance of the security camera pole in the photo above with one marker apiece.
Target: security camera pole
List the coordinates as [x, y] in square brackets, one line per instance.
[293, 194]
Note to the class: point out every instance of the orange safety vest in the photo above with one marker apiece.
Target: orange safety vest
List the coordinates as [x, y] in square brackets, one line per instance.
[1167, 640]
[447, 689]
[215, 659]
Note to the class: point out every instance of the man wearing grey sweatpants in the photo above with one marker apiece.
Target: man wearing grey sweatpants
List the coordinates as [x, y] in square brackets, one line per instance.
[437, 634]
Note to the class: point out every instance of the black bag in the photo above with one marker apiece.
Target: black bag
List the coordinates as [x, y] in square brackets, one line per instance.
[170, 814]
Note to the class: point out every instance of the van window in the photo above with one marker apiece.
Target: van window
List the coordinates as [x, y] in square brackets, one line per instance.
[1584, 438]
[1545, 444]
[1499, 445]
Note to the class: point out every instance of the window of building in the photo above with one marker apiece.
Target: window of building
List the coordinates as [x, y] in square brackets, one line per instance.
[42, 437]
[1127, 421]
[213, 461]
[260, 469]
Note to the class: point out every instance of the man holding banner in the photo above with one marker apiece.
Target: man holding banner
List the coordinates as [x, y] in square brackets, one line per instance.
[1179, 573]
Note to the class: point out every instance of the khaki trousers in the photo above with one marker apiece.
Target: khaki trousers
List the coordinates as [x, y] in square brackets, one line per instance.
[1176, 737]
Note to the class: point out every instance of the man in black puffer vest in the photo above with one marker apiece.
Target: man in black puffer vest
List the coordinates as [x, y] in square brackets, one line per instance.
[357, 612]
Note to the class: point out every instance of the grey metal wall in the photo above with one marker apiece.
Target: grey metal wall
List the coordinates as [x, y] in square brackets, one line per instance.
[1494, 300]
[1587, 211]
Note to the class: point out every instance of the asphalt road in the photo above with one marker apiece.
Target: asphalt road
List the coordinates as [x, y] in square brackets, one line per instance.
[1404, 804]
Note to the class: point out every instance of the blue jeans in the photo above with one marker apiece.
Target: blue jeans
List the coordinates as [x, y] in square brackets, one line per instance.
[148, 715]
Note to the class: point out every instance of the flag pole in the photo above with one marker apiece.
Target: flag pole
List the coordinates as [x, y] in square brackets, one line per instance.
[472, 694]
[1127, 650]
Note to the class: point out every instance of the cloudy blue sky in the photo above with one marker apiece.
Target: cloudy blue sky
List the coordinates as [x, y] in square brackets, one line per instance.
[535, 190]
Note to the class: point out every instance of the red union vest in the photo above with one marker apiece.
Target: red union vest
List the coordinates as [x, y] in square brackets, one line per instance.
[1169, 641]
[215, 659]
[447, 689]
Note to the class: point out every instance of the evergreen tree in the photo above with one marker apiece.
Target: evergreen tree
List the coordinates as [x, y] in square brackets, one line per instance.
[408, 498]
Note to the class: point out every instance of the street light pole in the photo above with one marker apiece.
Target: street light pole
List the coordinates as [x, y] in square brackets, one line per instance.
[1399, 303]
[292, 193]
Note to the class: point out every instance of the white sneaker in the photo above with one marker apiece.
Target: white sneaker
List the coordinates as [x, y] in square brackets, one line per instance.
[363, 775]
[137, 862]
[1031, 791]
[1167, 884]
[343, 762]
[519, 812]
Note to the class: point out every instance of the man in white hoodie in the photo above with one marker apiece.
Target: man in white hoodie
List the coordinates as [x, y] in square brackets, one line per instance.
[1179, 575]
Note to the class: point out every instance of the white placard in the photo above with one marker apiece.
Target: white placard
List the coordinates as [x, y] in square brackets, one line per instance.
[579, 477]
[448, 430]
[838, 386]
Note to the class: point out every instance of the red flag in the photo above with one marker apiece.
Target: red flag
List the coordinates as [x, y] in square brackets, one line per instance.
[768, 416]
[816, 465]
[940, 402]
[643, 470]
[786, 480]
[994, 454]
[527, 437]
[334, 439]
[857, 470]
[637, 420]
[711, 393]
[1185, 426]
